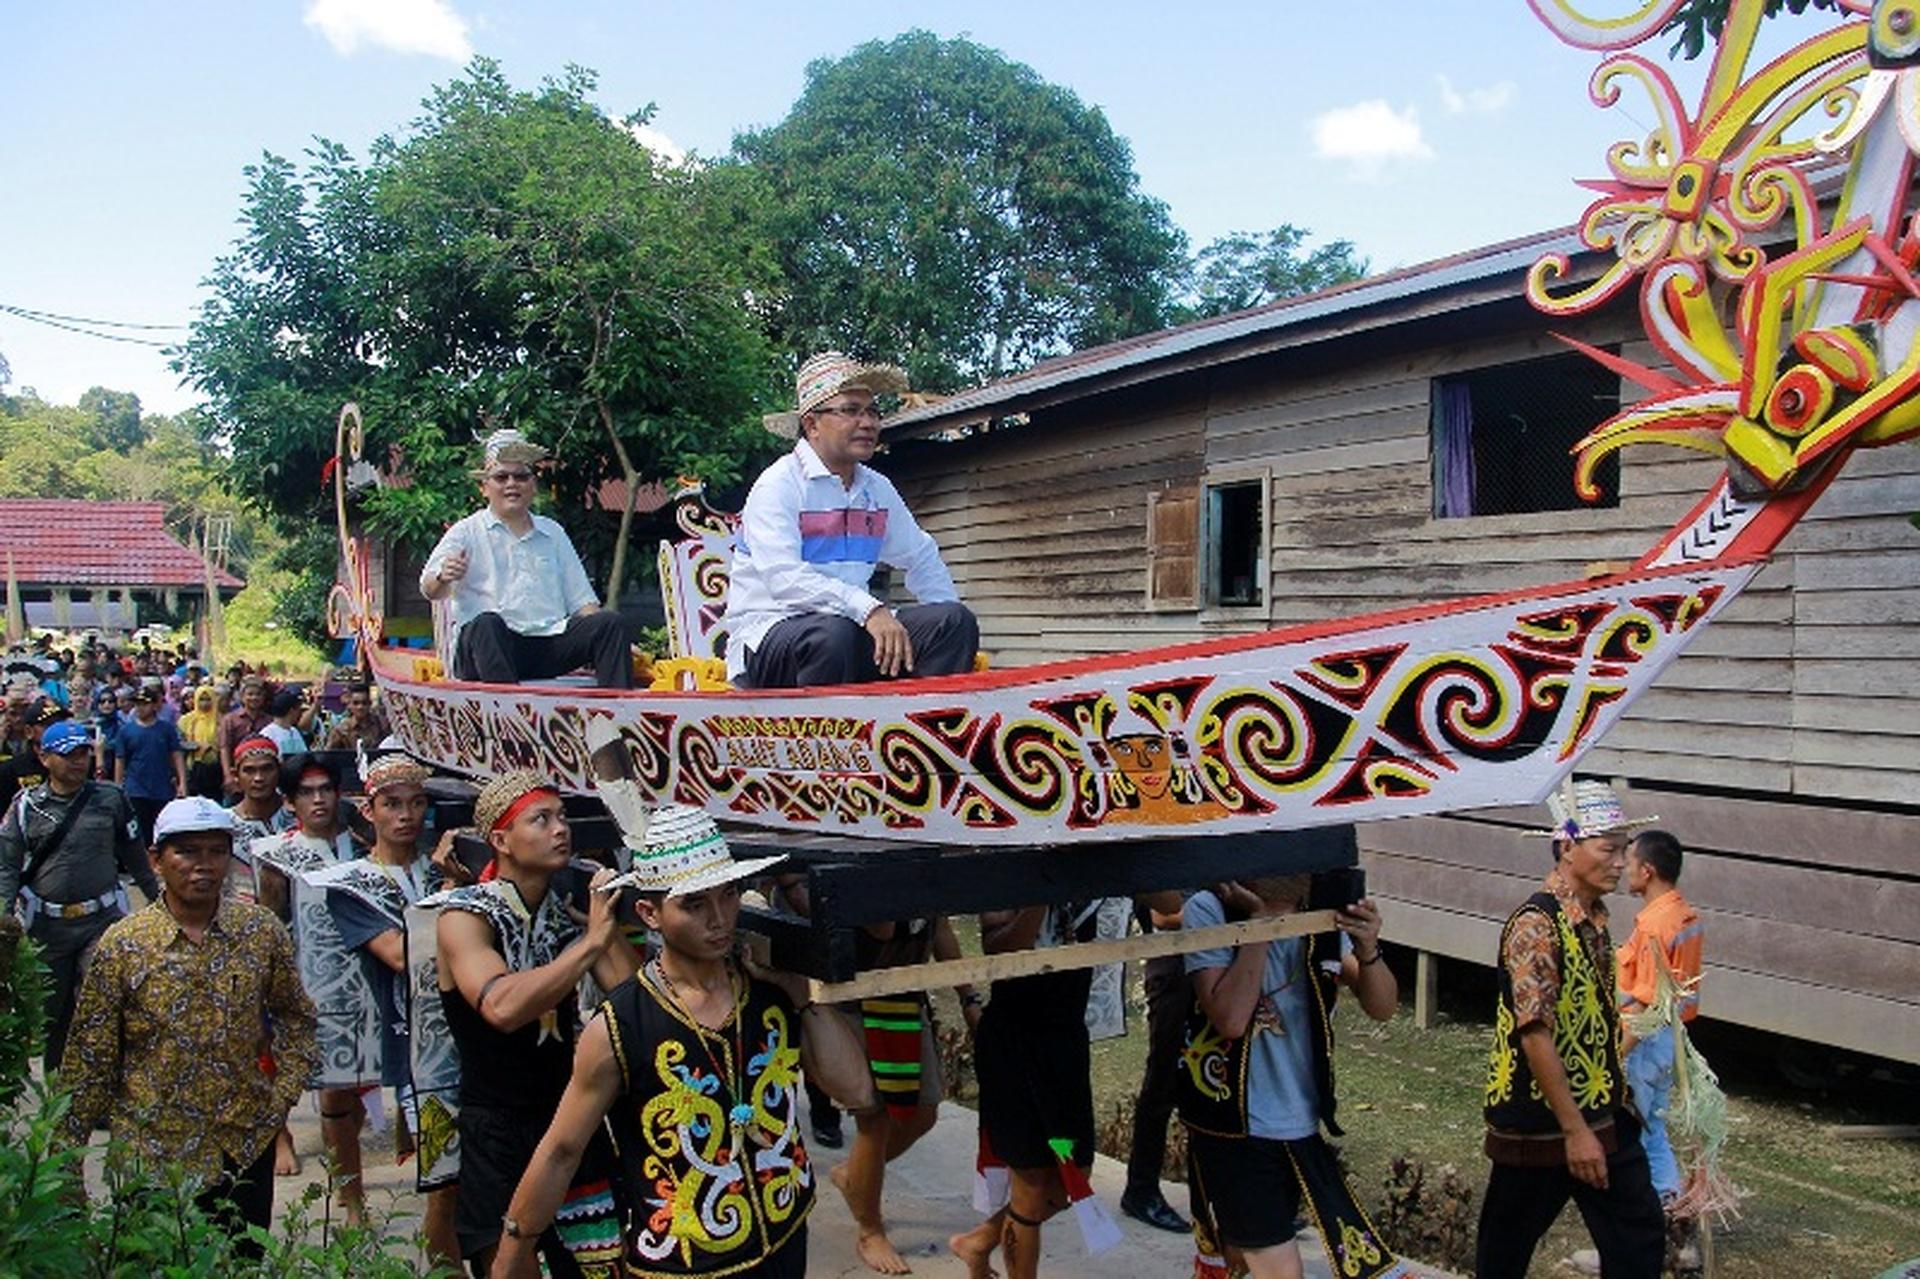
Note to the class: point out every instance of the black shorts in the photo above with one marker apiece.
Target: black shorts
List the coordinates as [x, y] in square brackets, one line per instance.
[1035, 1084]
[495, 1148]
[1245, 1188]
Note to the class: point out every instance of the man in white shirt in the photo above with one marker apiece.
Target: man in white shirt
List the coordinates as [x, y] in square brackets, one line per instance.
[521, 600]
[815, 526]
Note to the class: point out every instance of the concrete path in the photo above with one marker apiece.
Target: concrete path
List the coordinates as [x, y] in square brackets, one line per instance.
[928, 1197]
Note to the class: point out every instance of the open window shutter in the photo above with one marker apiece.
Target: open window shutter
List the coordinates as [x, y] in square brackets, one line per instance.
[1173, 542]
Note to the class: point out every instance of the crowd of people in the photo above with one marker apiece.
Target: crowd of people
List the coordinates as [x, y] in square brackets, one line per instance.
[588, 1071]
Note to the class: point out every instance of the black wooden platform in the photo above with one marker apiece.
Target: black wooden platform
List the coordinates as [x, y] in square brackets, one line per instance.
[852, 881]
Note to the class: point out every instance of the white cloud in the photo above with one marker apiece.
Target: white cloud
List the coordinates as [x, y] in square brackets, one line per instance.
[659, 143]
[1370, 135]
[1491, 100]
[403, 26]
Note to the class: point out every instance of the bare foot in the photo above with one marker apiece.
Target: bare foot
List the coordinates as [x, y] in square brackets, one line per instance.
[286, 1160]
[875, 1249]
[975, 1252]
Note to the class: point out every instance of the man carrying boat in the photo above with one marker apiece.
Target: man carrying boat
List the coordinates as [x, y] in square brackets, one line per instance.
[521, 600]
[815, 526]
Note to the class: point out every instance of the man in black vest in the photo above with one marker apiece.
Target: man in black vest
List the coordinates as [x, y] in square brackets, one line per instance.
[1559, 1124]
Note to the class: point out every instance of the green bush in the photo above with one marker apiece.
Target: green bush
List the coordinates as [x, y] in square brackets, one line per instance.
[146, 1224]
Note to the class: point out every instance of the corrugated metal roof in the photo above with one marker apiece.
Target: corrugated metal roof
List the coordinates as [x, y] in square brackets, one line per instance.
[62, 542]
[1512, 257]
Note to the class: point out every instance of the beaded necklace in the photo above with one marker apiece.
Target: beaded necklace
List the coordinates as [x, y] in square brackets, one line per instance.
[740, 1115]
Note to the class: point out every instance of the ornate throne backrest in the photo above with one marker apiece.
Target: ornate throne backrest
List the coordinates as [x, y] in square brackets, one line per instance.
[693, 575]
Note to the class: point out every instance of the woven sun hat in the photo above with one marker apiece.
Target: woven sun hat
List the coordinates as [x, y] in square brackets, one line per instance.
[684, 852]
[824, 376]
[397, 768]
[1583, 809]
[509, 446]
[501, 799]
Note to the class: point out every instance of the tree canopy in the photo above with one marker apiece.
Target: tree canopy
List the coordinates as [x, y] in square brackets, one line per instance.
[1698, 23]
[516, 258]
[940, 206]
[1244, 269]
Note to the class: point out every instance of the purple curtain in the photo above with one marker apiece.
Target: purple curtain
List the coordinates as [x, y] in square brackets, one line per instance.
[1452, 449]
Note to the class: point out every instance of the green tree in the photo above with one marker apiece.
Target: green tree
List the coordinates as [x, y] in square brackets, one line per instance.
[1244, 269]
[116, 418]
[945, 208]
[516, 257]
[1698, 23]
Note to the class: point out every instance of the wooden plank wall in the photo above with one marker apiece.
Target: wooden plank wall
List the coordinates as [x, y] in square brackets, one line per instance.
[1785, 700]
[1808, 933]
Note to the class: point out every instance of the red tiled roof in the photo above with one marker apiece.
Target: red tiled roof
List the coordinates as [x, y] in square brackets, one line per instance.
[57, 542]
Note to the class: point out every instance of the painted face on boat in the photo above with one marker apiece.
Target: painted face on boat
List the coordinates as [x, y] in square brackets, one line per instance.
[1146, 761]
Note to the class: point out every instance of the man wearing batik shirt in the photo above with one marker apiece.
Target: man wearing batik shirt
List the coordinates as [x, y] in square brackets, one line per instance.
[1559, 1125]
[368, 898]
[510, 962]
[166, 1041]
[349, 1029]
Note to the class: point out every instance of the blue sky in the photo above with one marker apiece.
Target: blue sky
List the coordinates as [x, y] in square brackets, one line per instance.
[1416, 128]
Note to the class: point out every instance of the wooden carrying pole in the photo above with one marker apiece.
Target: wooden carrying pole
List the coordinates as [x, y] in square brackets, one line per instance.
[977, 969]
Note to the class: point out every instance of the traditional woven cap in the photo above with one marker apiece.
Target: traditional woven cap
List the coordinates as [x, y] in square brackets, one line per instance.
[395, 769]
[1583, 809]
[502, 793]
[191, 815]
[684, 852]
[509, 446]
[824, 376]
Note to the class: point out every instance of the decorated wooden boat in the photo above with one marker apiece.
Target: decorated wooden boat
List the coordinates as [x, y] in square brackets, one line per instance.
[1470, 702]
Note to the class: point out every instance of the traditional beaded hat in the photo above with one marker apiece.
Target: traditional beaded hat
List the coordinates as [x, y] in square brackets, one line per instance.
[684, 852]
[396, 768]
[1583, 809]
[499, 797]
[509, 446]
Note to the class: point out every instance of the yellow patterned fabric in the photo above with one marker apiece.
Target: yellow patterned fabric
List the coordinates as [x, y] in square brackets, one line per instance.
[1583, 1021]
[169, 1036]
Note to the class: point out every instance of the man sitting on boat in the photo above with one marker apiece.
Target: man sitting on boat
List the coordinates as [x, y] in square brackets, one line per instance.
[815, 526]
[521, 600]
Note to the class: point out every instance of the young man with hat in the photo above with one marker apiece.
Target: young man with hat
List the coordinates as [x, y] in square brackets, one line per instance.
[25, 769]
[814, 528]
[166, 1046]
[259, 811]
[63, 846]
[349, 1027]
[696, 1066]
[149, 761]
[368, 898]
[1559, 1121]
[511, 958]
[522, 605]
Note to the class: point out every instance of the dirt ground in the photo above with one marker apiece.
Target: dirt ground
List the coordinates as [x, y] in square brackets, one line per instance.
[1816, 1207]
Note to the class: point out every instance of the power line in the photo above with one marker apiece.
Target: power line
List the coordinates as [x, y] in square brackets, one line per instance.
[41, 318]
[31, 314]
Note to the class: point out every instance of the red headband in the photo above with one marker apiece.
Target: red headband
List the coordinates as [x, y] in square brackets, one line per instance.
[514, 809]
[254, 744]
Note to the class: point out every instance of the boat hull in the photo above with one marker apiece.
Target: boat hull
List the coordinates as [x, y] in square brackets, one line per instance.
[1456, 705]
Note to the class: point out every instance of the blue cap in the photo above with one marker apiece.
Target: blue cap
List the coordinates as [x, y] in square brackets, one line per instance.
[65, 738]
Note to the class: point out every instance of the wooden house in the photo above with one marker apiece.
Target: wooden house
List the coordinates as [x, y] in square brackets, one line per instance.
[1404, 439]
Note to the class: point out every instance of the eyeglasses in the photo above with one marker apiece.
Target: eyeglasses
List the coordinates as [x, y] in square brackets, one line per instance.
[510, 477]
[850, 410]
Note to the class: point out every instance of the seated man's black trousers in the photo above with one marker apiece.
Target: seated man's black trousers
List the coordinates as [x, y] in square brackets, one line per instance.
[823, 648]
[489, 651]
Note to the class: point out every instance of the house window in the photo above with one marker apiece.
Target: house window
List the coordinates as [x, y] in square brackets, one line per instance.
[1501, 436]
[1236, 543]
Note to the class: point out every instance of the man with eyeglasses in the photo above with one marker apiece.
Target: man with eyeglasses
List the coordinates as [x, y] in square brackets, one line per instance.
[816, 525]
[522, 605]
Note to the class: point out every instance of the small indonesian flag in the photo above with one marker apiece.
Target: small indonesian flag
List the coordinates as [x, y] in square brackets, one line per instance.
[1098, 1230]
[992, 1181]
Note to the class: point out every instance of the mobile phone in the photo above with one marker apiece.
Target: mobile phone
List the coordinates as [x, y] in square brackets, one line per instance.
[1337, 889]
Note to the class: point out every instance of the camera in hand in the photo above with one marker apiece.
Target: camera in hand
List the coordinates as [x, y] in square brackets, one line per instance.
[1337, 889]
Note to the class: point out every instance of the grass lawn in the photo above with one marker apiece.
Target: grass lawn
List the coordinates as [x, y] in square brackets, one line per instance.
[1817, 1208]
